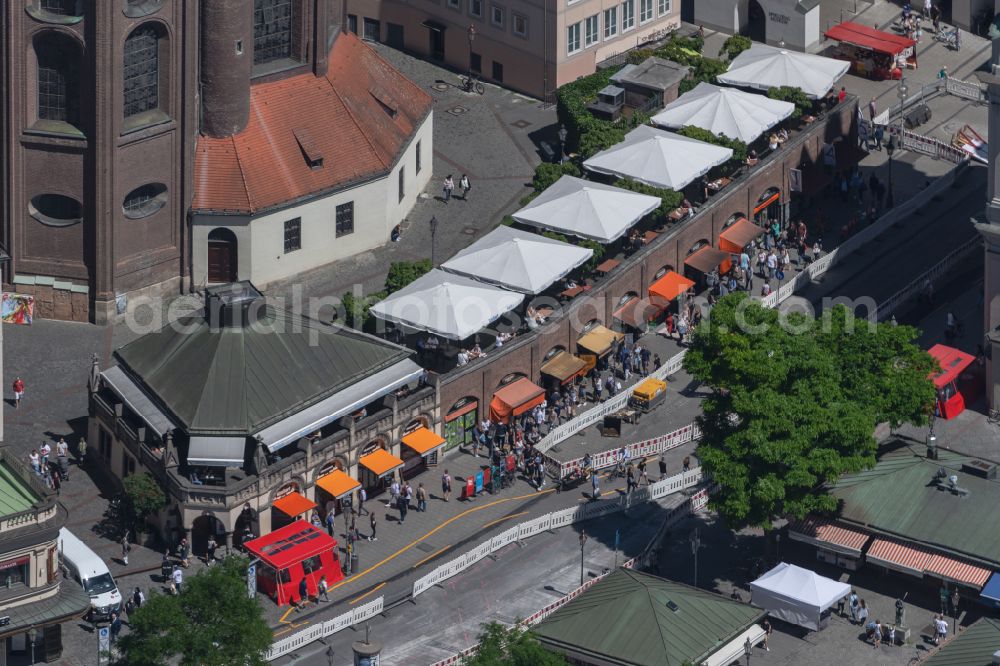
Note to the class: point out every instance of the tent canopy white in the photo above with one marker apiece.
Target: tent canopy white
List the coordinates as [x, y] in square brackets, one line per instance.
[764, 67]
[518, 260]
[658, 158]
[586, 209]
[452, 306]
[729, 112]
[796, 595]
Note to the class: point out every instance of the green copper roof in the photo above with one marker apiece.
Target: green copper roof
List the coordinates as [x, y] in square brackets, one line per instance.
[973, 647]
[899, 497]
[15, 495]
[239, 380]
[636, 618]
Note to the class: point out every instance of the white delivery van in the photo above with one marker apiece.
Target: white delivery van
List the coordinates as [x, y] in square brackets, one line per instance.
[92, 573]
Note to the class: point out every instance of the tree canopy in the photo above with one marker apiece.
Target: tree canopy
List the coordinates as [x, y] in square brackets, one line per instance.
[145, 497]
[212, 622]
[735, 45]
[513, 646]
[794, 403]
[402, 273]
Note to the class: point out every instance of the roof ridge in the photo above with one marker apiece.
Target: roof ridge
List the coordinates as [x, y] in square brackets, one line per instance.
[243, 175]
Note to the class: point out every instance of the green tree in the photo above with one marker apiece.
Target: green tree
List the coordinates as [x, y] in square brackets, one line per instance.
[357, 313]
[402, 273]
[145, 497]
[795, 96]
[734, 46]
[794, 403]
[738, 147]
[503, 646]
[669, 199]
[211, 622]
[548, 173]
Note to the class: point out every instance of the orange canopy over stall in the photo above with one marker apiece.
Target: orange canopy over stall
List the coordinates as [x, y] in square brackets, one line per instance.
[423, 441]
[738, 235]
[338, 484]
[515, 399]
[293, 504]
[670, 286]
[707, 259]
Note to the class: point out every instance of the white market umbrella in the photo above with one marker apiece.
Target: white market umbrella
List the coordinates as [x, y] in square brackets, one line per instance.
[518, 260]
[587, 209]
[729, 112]
[659, 158]
[452, 306]
[764, 67]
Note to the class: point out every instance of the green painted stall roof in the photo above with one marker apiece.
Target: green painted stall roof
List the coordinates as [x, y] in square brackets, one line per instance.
[240, 380]
[625, 619]
[899, 497]
[973, 647]
[15, 495]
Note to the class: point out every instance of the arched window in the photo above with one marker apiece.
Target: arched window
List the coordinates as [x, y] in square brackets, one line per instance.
[58, 78]
[273, 24]
[60, 7]
[144, 200]
[141, 74]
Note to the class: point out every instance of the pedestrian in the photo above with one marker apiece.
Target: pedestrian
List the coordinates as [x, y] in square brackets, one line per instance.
[183, 550]
[54, 481]
[321, 589]
[877, 634]
[371, 524]
[872, 109]
[643, 477]
[892, 635]
[352, 532]
[44, 451]
[116, 626]
[177, 579]
[940, 629]
[210, 547]
[81, 451]
[928, 8]
[663, 466]
[316, 521]
[943, 598]
[630, 483]
[862, 613]
[766, 626]
[303, 593]
[403, 507]
[840, 606]
[852, 603]
[687, 464]
[446, 485]
[842, 95]
[18, 387]
[393, 494]
[126, 548]
[448, 186]
[36, 461]
[421, 498]
[595, 485]
[407, 494]
[329, 522]
[138, 598]
[362, 498]
[464, 183]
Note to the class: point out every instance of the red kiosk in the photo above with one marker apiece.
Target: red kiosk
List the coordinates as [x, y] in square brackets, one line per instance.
[950, 400]
[288, 555]
[871, 52]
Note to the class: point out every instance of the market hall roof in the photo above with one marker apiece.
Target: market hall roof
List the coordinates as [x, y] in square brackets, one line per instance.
[901, 497]
[240, 379]
[357, 119]
[635, 618]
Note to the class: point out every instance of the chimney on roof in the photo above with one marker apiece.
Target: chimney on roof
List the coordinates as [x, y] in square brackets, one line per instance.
[233, 305]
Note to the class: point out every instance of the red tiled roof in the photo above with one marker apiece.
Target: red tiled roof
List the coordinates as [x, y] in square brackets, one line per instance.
[360, 117]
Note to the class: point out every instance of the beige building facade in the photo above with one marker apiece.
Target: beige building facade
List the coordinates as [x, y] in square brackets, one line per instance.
[533, 46]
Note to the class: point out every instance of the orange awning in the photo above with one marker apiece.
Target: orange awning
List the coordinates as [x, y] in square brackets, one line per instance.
[637, 312]
[515, 399]
[958, 571]
[338, 484]
[899, 556]
[826, 534]
[293, 504]
[670, 286]
[423, 441]
[380, 462]
[738, 235]
[766, 202]
[707, 259]
[563, 366]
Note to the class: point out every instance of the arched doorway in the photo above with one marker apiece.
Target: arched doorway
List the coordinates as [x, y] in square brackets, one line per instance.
[247, 526]
[203, 526]
[222, 255]
[756, 27]
[768, 207]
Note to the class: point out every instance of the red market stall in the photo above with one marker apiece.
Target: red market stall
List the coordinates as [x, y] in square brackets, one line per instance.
[873, 53]
[288, 555]
[950, 400]
[515, 399]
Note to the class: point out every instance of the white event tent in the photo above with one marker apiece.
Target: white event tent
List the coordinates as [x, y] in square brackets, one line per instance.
[729, 112]
[586, 209]
[764, 67]
[796, 595]
[659, 158]
[518, 260]
[452, 306]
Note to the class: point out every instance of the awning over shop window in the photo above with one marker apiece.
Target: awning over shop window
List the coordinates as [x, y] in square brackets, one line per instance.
[636, 312]
[670, 286]
[707, 259]
[293, 504]
[338, 484]
[899, 556]
[423, 441]
[957, 571]
[515, 399]
[992, 589]
[738, 235]
[828, 535]
[767, 202]
[216, 451]
[434, 25]
[866, 37]
[470, 406]
[599, 340]
[563, 366]
[380, 462]
[137, 401]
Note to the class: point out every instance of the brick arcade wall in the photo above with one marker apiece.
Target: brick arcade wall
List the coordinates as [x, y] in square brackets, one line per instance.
[526, 353]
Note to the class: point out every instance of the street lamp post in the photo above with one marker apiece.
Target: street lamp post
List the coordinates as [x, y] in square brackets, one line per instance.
[562, 143]
[695, 545]
[32, 635]
[777, 546]
[890, 148]
[434, 226]
[472, 36]
[583, 541]
[954, 611]
[747, 649]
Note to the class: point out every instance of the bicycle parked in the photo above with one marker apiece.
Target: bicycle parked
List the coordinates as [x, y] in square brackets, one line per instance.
[952, 38]
[471, 83]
